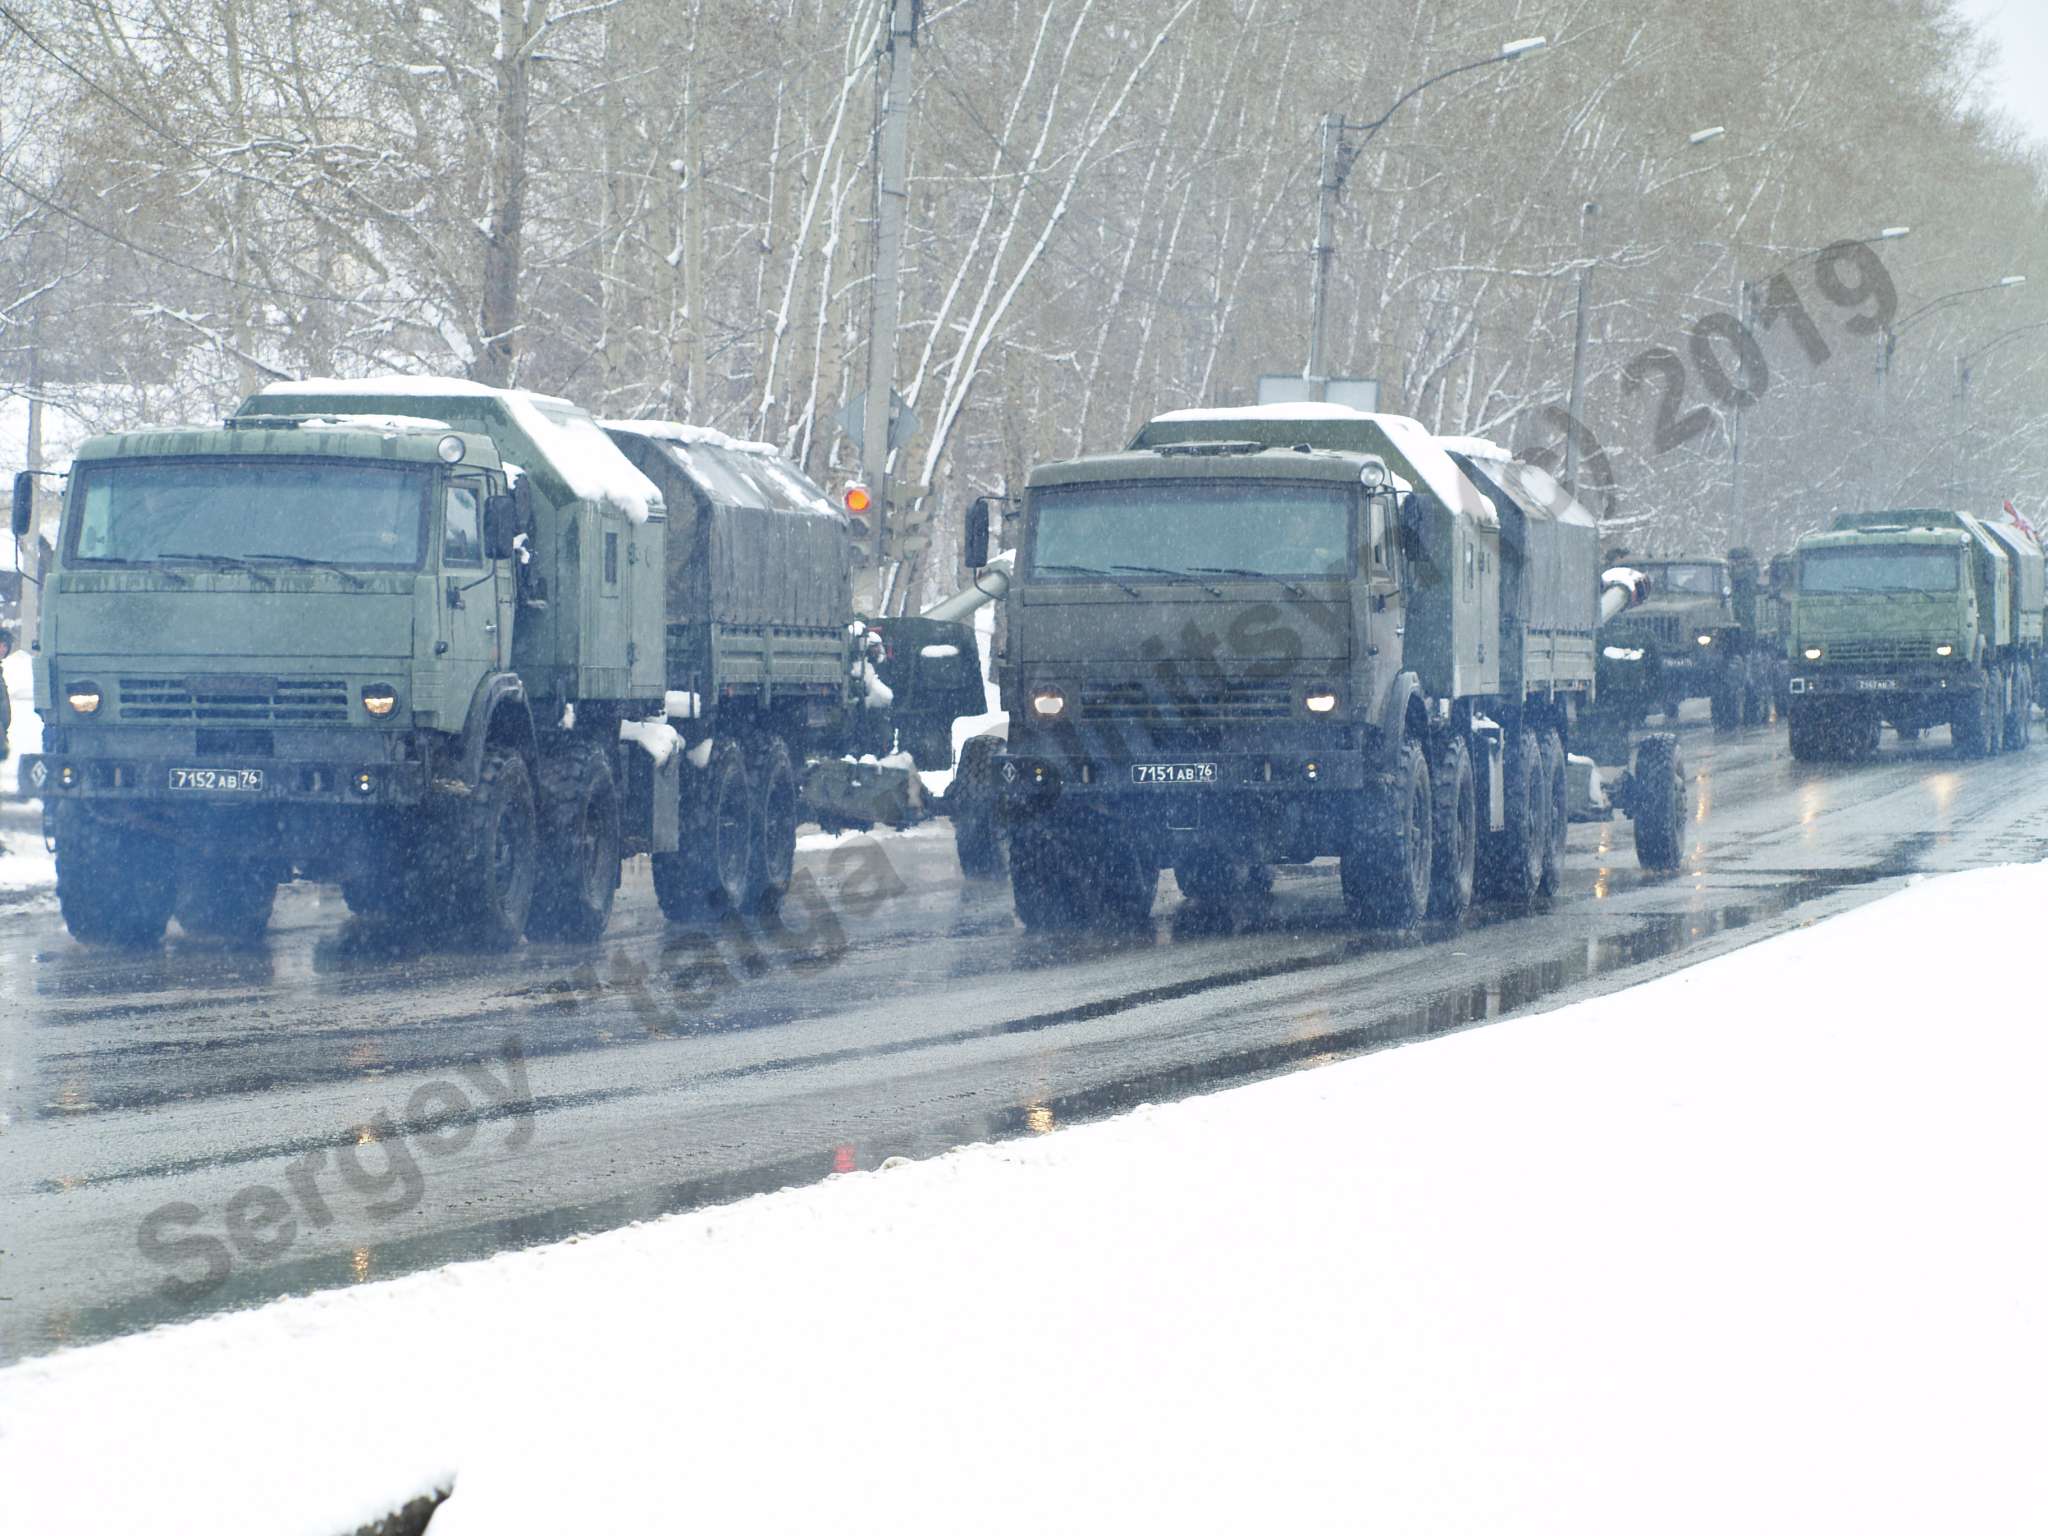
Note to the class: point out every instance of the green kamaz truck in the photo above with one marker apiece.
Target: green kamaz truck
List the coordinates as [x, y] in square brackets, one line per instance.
[439, 643]
[1913, 619]
[1270, 635]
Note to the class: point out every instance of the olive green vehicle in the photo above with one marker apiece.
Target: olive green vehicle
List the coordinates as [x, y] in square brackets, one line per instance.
[1275, 634]
[445, 646]
[1688, 639]
[1914, 619]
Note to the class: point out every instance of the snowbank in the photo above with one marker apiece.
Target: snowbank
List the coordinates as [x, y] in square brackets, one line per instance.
[1755, 1246]
[25, 730]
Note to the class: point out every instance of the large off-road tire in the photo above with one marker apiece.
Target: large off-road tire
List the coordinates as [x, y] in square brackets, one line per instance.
[225, 898]
[579, 850]
[773, 771]
[116, 883]
[1454, 860]
[1386, 870]
[1807, 729]
[710, 873]
[1557, 821]
[980, 837]
[1511, 860]
[491, 847]
[1043, 880]
[1658, 802]
[2019, 714]
[1974, 722]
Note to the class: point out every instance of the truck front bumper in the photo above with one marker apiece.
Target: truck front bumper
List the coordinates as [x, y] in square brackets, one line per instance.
[1906, 682]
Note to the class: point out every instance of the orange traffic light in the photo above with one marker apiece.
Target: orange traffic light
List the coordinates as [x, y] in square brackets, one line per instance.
[857, 499]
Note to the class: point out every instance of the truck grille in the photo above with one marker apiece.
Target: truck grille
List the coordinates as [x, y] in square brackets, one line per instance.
[1879, 651]
[1196, 700]
[1664, 628]
[244, 700]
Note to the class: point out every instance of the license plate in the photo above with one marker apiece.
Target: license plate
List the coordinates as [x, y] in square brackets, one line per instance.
[219, 781]
[1173, 773]
[1876, 684]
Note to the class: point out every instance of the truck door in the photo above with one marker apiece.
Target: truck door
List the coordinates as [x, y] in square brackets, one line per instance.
[473, 612]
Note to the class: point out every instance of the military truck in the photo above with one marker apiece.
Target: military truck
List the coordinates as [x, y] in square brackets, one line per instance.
[434, 641]
[1915, 618]
[1686, 640]
[1273, 634]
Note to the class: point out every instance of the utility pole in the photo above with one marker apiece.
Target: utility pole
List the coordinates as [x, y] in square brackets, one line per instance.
[1327, 185]
[1745, 305]
[892, 195]
[1576, 404]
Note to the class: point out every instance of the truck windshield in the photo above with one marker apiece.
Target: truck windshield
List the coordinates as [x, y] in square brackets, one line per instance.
[1692, 580]
[346, 514]
[1901, 568]
[1242, 527]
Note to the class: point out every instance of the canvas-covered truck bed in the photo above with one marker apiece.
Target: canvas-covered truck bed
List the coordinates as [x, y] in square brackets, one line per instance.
[1550, 565]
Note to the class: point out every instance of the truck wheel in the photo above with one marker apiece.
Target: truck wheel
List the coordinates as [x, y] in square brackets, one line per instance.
[496, 851]
[1454, 863]
[774, 828]
[1970, 727]
[709, 873]
[2019, 715]
[1123, 881]
[579, 863]
[1386, 870]
[1042, 881]
[979, 837]
[1512, 859]
[1807, 728]
[1726, 702]
[1658, 802]
[1557, 824]
[115, 884]
[225, 899]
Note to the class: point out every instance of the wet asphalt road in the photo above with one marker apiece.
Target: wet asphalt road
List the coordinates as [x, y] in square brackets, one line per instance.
[191, 1119]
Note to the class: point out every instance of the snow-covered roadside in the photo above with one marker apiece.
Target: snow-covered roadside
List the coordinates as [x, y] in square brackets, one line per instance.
[26, 867]
[1754, 1246]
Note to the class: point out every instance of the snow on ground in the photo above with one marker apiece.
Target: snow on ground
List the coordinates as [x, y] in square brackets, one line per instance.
[1756, 1246]
[26, 867]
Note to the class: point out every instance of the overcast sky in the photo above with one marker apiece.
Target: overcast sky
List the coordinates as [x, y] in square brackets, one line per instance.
[2020, 27]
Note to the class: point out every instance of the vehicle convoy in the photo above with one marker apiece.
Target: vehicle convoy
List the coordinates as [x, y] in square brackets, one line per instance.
[1912, 619]
[1268, 635]
[1691, 638]
[447, 646]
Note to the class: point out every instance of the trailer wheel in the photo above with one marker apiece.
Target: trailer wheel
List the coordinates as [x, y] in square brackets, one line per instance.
[1557, 824]
[493, 842]
[1657, 802]
[579, 866]
[115, 884]
[225, 898]
[1042, 879]
[774, 829]
[1454, 862]
[979, 836]
[1511, 860]
[1386, 870]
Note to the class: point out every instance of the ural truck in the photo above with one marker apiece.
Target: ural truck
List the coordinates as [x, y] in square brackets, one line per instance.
[1915, 618]
[1274, 634]
[1686, 640]
[431, 641]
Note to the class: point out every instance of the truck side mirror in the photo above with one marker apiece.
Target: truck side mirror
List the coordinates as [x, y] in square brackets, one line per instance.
[502, 525]
[975, 550]
[24, 504]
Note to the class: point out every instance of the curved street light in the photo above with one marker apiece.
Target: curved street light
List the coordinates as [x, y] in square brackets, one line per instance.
[1337, 158]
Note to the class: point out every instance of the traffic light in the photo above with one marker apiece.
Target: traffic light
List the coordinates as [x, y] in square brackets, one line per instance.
[858, 502]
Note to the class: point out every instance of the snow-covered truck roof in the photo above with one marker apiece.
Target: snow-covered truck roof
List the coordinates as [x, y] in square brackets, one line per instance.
[555, 440]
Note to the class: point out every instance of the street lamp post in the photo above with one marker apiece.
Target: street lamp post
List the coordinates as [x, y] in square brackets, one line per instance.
[1888, 343]
[1336, 160]
[1965, 364]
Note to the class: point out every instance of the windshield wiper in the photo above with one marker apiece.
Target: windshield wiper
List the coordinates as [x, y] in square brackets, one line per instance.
[1237, 570]
[234, 562]
[326, 565]
[1160, 570]
[1086, 570]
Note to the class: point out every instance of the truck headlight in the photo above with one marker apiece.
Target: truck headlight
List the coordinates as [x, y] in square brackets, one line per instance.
[380, 699]
[1706, 639]
[1811, 653]
[84, 698]
[1944, 649]
[1320, 702]
[1048, 703]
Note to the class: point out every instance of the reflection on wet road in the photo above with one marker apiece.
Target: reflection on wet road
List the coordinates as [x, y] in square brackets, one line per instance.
[194, 1128]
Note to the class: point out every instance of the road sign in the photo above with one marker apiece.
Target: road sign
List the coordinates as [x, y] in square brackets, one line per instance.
[851, 419]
